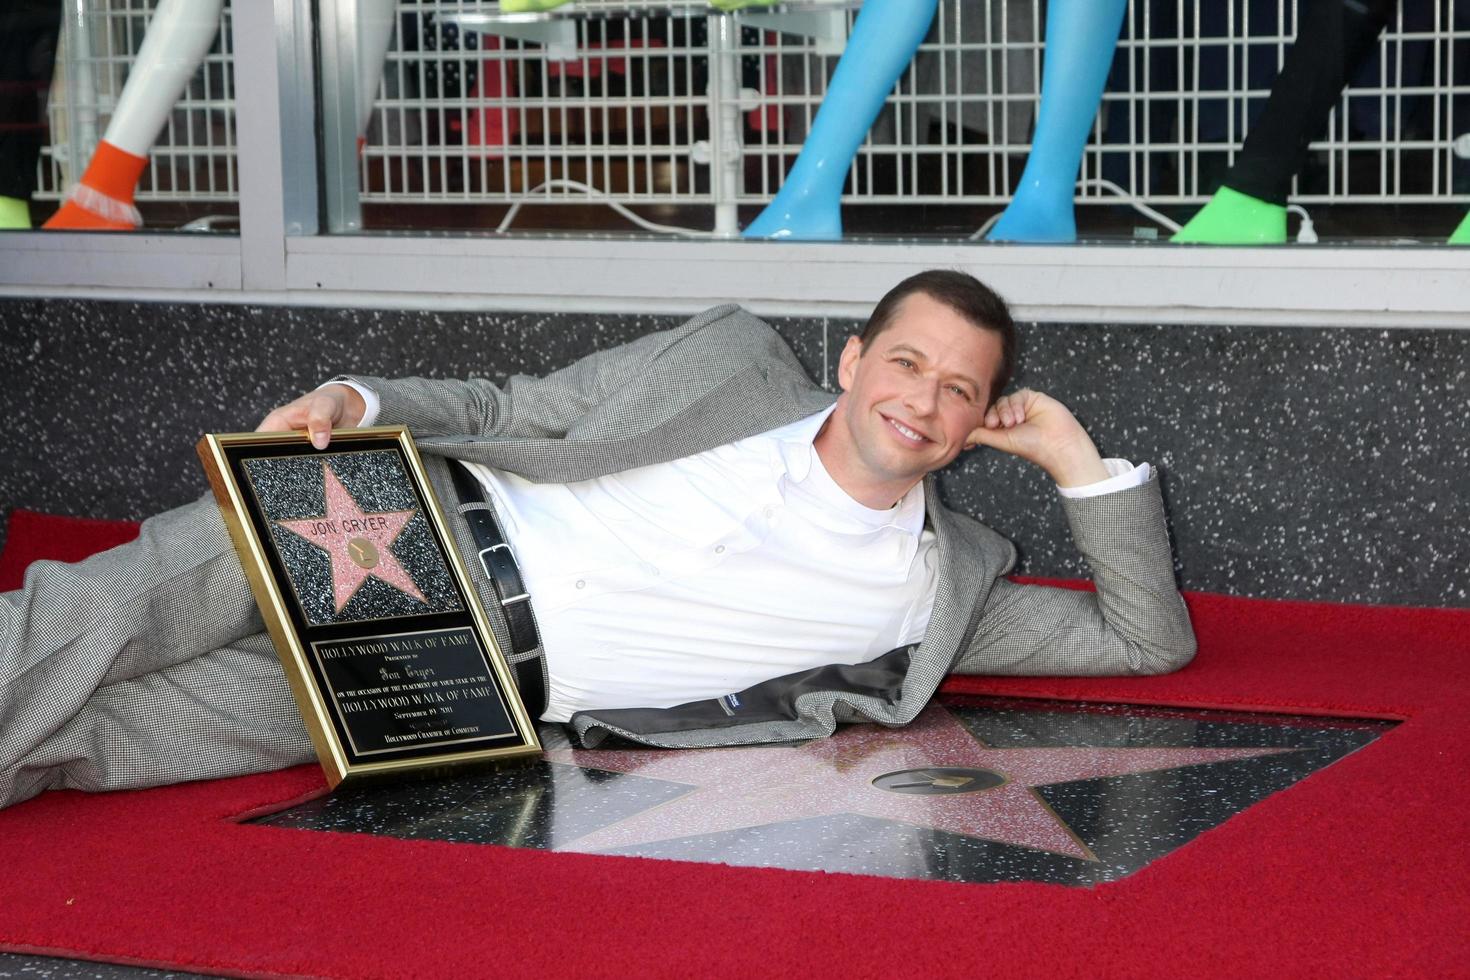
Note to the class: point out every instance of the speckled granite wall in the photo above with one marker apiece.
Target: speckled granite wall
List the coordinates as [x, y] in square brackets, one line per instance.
[1302, 463]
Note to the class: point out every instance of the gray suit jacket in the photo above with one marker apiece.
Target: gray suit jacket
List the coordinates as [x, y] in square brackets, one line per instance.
[725, 375]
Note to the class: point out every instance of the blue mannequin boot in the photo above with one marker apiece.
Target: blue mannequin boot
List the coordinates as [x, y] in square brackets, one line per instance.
[1081, 36]
[884, 39]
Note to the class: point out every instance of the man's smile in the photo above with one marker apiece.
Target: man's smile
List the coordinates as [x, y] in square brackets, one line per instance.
[910, 435]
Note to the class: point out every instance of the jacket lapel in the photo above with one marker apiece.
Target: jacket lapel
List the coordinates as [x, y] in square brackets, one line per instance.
[971, 557]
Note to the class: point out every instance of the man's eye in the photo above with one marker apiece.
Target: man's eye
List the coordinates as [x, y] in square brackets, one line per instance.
[904, 362]
[960, 391]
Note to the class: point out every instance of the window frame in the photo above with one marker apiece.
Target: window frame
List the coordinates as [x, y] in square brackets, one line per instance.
[279, 257]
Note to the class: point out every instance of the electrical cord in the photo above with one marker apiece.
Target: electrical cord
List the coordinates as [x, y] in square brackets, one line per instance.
[1131, 200]
[989, 223]
[593, 192]
[1093, 182]
[1306, 234]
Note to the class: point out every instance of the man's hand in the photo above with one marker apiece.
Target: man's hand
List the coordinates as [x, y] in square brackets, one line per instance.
[318, 412]
[1039, 429]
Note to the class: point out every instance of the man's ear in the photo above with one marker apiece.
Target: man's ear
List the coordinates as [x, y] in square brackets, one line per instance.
[847, 362]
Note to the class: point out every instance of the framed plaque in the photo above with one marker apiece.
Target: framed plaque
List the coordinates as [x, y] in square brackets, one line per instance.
[385, 644]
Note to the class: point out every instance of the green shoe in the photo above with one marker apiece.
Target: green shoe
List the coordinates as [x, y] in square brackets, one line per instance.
[1461, 235]
[529, 6]
[1233, 218]
[14, 213]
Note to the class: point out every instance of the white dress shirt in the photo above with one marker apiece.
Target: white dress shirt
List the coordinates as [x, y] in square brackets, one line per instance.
[701, 576]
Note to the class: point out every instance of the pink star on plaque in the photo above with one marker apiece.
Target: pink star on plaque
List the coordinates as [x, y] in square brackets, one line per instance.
[932, 774]
[360, 543]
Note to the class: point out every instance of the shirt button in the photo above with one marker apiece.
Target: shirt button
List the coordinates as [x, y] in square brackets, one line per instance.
[770, 512]
[719, 549]
[581, 583]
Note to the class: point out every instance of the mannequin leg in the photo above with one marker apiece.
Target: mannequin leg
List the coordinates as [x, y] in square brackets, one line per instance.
[1250, 207]
[1080, 38]
[883, 41]
[528, 6]
[15, 213]
[375, 20]
[177, 39]
[1461, 235]
[1233, 218]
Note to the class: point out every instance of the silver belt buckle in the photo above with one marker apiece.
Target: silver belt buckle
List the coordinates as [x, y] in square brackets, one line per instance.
[508, 600]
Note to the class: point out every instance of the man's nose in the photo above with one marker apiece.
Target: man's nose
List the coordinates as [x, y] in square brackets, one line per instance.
[922, 397]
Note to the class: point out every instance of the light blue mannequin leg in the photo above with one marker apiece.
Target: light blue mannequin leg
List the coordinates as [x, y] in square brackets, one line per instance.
[1080, 38]
[883, 41]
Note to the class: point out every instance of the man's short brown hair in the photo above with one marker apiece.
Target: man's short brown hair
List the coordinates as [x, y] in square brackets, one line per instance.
[967, 296]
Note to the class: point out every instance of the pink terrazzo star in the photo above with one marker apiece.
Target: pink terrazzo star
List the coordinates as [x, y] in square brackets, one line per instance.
[359, 543]
[731, 789]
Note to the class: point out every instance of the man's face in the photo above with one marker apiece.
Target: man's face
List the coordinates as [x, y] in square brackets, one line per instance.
[914, 396]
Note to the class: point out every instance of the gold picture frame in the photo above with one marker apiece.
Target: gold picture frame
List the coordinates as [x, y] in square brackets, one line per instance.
[377, 623]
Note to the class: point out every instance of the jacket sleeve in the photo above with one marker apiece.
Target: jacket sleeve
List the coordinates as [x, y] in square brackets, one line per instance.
[1135, 623]
[526, 407]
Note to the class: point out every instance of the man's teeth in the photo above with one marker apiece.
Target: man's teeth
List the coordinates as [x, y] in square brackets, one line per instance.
[907, 431]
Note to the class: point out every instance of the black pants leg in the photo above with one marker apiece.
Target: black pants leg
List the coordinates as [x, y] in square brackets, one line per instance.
[1333, 37]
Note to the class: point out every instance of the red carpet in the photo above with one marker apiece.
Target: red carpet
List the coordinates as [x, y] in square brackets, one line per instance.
[1360, 870]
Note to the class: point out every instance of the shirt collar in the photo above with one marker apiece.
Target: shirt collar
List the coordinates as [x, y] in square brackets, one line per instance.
[797, 462]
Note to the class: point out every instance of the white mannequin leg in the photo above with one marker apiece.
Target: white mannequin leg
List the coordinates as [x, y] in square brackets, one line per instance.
[374, 32]
[178, 37]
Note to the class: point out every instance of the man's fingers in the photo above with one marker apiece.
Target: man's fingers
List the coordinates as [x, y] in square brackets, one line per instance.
[316, 412]
[1011, 410]
[988, 436]
[282, 419]
[321, 415]
[1007, 412]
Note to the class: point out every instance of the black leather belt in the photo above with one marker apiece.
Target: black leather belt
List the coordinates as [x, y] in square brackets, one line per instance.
[500, 567]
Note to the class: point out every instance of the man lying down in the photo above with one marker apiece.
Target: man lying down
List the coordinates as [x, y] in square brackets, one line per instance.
[717, 551]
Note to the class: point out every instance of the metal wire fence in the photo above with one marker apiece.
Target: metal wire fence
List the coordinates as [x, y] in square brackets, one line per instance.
[642, 102]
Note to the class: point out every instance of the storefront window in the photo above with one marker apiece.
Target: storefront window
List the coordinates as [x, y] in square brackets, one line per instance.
[132, 107]
[889, 120]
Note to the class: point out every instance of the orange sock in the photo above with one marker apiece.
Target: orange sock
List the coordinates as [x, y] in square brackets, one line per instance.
[103, 199]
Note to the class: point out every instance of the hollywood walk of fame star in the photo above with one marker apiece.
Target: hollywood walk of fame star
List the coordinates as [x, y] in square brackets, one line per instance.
[733, 789]
[359, 543]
